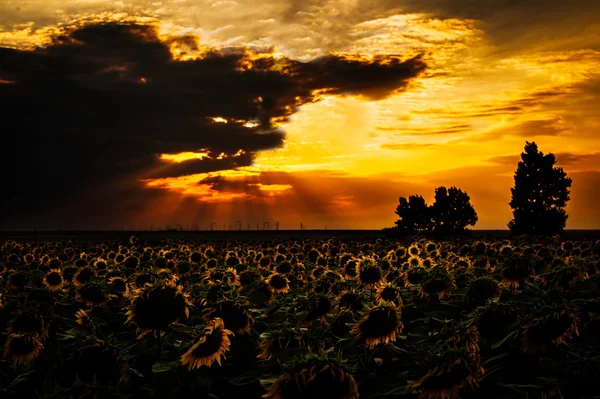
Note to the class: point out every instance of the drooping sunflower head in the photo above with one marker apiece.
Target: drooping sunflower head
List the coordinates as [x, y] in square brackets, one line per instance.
[83, 276]
[286, 339]
[248, 277]
[30, 323]
[495, 319]
[119, 285]
[517, 269]
[210, 347]
[284, 267]
[437, 283]
[566, 275]
[102, 363]
[340, 324]
[92, 294]
[369, 274]
[317, 272]
[22, 348]
[482, 289]
[351, 300]
[317, 307]
[448, 374]
[388, 292]
[463, 337]
[234, 314]
[158, 305]
[315, 378]
[83, 319]
[53, 280]
[139, 280]
[549, 327]
[350, 268]
[183, 268]
[232, 259]
[380, 325]
[312, 255]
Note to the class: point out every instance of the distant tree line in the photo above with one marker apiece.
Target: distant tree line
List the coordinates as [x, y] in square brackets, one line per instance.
[539, 196]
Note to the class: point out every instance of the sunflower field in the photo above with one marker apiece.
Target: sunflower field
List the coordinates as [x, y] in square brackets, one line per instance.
[289, 319]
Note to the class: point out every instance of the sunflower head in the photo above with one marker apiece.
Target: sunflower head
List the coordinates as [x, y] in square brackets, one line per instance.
[285, 339]
[210, 347]
[414, 249]
[449, 373]
[369, 274]
[30, 323]
[22, 348]
[314, 377]
[92, 294]
[482, 289]
[388, 292]
[339, 326]
[83, 319]
[317, 307]
[278, 283]
[101, 362]
[517, 269]
[157, 306]
[119, 285]
[248, 277]
[495, 319]
[566, 275]
[53, 280]
[549, 327]
[83, 276]
[235, 316]
[414, 275]
[437, 283]
[463, 337]
[17, 281]
[351, 300]
[350, 268]
[380, 325]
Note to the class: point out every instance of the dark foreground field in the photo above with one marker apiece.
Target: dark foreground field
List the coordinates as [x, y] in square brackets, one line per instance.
[305, 314]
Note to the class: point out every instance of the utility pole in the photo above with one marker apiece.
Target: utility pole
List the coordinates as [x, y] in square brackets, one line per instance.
[238, 225]
[277, 226]
[266, 226]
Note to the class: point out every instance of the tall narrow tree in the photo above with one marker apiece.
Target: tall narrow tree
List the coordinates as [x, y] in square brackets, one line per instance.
[540, 194]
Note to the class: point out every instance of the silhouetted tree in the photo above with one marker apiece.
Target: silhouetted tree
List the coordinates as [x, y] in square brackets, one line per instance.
[540, 193]
[452, 211]
[414, 215]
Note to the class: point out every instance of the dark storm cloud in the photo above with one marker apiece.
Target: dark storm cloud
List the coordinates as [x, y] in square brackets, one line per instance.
[99, 104]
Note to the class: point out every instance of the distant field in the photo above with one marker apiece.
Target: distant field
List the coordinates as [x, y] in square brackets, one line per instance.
[241, 235]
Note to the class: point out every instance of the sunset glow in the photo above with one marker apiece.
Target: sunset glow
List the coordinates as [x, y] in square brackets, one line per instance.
[321, 113]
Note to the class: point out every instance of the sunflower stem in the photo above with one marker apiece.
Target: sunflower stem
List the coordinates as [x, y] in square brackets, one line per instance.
[158, 349]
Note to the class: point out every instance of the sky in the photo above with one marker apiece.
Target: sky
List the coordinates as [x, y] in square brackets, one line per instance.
[146, 114]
